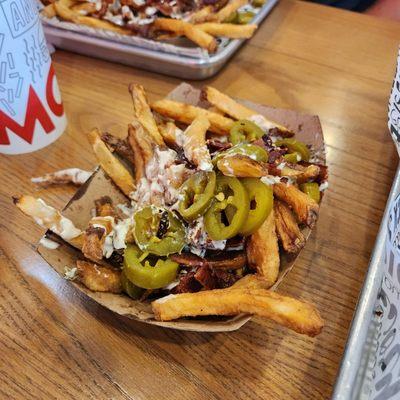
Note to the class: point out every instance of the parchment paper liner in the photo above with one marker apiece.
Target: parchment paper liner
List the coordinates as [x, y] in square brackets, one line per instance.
[307, 129]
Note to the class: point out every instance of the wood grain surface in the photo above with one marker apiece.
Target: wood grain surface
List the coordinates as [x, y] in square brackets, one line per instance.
[57, 344]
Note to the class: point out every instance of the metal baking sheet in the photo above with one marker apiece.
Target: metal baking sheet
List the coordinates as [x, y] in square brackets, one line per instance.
[355, 373]
[166, 63]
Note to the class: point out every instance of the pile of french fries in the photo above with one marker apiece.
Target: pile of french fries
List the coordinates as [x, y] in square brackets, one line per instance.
[200, 24]
[155, 127]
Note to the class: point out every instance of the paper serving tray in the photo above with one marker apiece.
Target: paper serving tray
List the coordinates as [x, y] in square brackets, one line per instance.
[176, 58]
[307, 129]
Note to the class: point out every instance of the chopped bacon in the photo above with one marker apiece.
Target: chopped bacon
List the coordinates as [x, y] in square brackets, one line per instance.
[276, 155]
[235, 243]
[280, 132]
[228, 260]
[205, 276]
[216, 145]
[120, 146]
[188, 259]
[225, 260]
[224, 278]
[187, 284]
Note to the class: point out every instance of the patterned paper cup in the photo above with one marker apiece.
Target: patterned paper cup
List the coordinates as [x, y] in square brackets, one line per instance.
[31, 111]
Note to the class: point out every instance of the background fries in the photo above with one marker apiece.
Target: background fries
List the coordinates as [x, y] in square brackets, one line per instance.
[299, 316]
[184, 28]
[226, 11]
[231, 31]
[203, 25]
[64, 10]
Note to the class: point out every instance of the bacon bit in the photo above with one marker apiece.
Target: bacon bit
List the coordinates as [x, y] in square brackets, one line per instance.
[275, 156]
[214, 145]
[229, 260]
[279, 132]
[204, 275]
[188, 259]
[187, 284]
[235, 243]
[204, 278]
[225, 278]
[120, 146]
[226, 261]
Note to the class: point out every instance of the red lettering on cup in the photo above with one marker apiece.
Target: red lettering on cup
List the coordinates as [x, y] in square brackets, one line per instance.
[35, 111]
[56, 108]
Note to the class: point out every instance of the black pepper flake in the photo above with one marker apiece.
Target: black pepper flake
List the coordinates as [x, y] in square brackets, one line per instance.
[163, 226]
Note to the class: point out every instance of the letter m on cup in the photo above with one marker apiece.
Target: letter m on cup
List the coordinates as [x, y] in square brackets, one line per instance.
[35, 112]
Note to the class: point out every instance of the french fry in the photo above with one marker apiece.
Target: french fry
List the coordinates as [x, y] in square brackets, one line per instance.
[288, 231]
[62, 177]
[142, 146]
[231, 31]
[226, 11]
[138, 160]
[84, 8]
[98, 278]
[187, 29]
[236, 110]
[168, 131]
[263, 251]
[301, 174]
[111, 165]
[120, 146]
[201, 15]
[143, 112]
[49, 218]
[241, 166]
[305, 208]
[292, 313]
[194, 143]
[251, 281]
[186, 113]
[64, 11]
[215, 110]
[49, 11]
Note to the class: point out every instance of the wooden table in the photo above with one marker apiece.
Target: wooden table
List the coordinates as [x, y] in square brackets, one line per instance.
[55, 343]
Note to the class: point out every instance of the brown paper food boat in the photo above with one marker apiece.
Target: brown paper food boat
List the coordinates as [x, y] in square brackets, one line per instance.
[306, 127]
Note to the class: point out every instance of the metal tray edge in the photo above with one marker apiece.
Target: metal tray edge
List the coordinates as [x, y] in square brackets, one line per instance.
[348, 370]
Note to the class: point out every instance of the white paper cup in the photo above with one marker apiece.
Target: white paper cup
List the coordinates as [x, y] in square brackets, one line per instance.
[31, 111]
